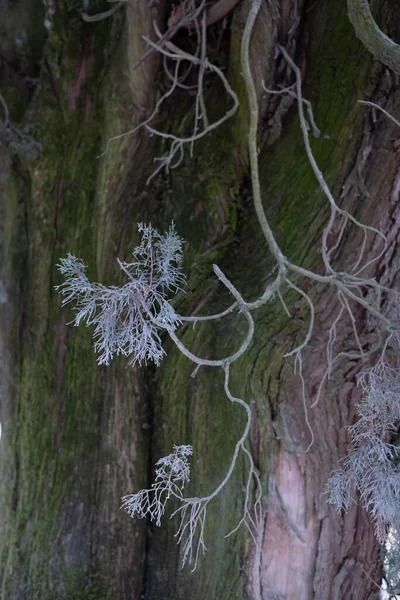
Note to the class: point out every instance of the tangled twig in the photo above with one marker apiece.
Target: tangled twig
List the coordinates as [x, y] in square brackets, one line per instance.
[201, 123]
[350, 287]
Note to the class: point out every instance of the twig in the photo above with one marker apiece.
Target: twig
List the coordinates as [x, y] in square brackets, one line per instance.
[385, 112]
[153, 114]
[321, 180]
[245, 344]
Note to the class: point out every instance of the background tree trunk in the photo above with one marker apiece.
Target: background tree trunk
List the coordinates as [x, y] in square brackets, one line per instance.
[76, 436]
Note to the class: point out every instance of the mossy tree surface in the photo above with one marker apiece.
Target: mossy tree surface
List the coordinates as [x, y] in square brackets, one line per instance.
[77, 436]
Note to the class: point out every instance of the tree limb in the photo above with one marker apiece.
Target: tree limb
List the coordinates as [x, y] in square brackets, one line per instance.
[215, 13]
[373, 38]
[103, 15]
[219, 10]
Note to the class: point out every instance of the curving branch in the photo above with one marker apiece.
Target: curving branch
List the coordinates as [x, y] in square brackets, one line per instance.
[219, 10]
[373, 38]
[377, 107]
[213, 14]
[252, 138]
[103, 15]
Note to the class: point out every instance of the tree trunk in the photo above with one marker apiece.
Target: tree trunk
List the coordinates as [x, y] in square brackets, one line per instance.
[77, 436]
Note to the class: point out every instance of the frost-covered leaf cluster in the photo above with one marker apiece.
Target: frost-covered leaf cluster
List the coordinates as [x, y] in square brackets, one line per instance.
[175, 467]
[128, 319]
[172, 474]
[372, 467]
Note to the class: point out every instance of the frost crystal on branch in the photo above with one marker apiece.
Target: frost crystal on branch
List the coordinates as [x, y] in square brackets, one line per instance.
[128, 319]
[373, 465]
[172, 474]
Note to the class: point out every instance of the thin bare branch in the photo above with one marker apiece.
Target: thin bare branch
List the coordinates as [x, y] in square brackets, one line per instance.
[385, 112]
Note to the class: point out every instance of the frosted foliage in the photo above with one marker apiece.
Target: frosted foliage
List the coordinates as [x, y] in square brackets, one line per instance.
[128, 319]
[172, 474]
[372, 467]
[175, 466]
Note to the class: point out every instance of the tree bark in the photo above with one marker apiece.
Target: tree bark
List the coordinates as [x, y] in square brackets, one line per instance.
[75, 436]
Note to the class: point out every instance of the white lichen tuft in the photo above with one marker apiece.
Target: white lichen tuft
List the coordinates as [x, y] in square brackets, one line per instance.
[372, 467]
[128, 319]
[172, 474]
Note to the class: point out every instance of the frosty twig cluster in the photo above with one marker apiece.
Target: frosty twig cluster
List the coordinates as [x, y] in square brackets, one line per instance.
[172, 474]
[128, 319]
[372, 466]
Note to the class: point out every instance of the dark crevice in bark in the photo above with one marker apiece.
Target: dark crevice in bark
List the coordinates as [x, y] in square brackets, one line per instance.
[149, 400]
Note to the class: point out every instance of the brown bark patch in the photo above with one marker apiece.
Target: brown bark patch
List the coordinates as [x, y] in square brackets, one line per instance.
[75, 86]
[289, 555]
